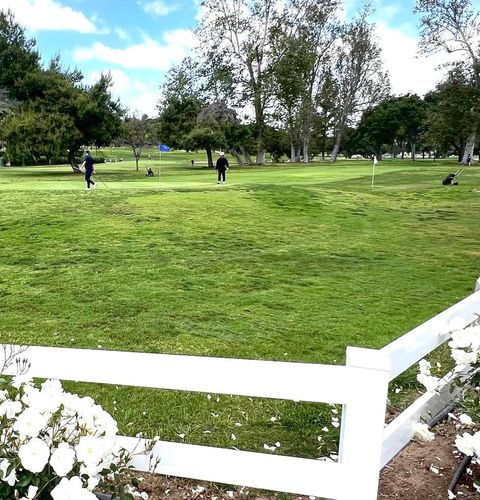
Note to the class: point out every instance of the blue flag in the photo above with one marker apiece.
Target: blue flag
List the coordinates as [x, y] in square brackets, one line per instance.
[163, 147]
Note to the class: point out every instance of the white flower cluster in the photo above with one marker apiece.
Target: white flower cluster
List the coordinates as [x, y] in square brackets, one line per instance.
[465, 350]
[465, 345]
[51, 440]
[425, 377]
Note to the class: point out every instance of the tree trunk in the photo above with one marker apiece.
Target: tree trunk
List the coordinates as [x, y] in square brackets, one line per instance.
[136, 153]
[413, 148]
[469, 147]
[246, 155]
[237, 157]
[306, 143]
[336, 148]
[261, 157]
[208, 149]
[73, 162]
[298, 154]
[292, 153]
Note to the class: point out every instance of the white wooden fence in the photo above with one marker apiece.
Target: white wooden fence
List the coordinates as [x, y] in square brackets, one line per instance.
[361, 386]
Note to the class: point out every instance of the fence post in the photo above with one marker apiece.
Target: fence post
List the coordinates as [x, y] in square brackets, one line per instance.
[363, 421]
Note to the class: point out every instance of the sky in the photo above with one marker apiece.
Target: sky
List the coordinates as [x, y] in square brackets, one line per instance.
[139, 40]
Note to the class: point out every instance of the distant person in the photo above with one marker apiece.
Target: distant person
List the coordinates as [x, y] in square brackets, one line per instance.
[193, 163]
[221, 168]
[87, 166]
[149, 172]
[469, 160]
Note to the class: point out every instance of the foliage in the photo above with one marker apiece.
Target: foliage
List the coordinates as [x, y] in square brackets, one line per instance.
[137, 133]
[452, 26]
[450, 106]
[464, 347]
[53, 105]
[395, 120]
[57, 445]
[18, 56]
[358, 74]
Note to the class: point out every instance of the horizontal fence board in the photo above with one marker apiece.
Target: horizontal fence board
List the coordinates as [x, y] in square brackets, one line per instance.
[399, 431]
[416, 344]
[324, 479]
[270, 379]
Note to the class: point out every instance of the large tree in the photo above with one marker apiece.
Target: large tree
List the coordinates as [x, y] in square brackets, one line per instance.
[303, 67]
[137, 132]
[238, 34]
[55, 114]
[453, 26]
[449, 124]
[358, 74]
[18, 56]
[181, 101]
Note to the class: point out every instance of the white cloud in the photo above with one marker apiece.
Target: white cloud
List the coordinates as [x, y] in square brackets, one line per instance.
[48, 15]
[121, 33]
[408, 71]
[159, 7]
[145, 103]
[139, 97]
[147, 55]
[138, 85]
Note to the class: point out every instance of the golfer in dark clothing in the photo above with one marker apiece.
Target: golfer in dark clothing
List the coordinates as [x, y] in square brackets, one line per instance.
[88, 166]
[221, 168]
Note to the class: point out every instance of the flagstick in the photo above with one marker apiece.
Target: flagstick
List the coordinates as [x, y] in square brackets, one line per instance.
[373, 170]
[160, 167]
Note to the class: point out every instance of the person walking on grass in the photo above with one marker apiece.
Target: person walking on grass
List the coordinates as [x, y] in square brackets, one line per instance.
[87, 166]
[221, 168]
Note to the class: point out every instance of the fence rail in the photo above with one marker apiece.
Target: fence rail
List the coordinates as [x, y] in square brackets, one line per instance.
[361, 386]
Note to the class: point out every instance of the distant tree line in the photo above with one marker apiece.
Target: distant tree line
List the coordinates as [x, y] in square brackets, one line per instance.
[285, 78]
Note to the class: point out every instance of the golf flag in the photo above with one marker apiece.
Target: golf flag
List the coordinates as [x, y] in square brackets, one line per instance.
[164, 148]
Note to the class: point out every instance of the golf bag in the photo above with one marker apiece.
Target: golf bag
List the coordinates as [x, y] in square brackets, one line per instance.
[149, 172]
[452, 179]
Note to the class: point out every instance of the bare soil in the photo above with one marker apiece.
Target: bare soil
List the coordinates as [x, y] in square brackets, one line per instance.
[422, 471]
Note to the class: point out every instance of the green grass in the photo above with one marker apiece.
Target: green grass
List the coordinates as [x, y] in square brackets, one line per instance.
[288, 262]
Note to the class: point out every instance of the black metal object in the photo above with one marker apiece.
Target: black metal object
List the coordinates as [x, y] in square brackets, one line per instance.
[459, 473]
[452, 178]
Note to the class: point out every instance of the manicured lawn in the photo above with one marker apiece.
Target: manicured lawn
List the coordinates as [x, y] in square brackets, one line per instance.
[287, 262]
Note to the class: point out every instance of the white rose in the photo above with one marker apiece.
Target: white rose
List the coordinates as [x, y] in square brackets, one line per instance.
[463, 358]
[423, 433]
[90, 450]
[62, 459]
[466, 419]
[30, 423]
[71, 489]
[34, 455]
[425, 366]
[429, 382]
[10, 408]
[11, 479]
[461, 339]
[466, 444]
[19, 380]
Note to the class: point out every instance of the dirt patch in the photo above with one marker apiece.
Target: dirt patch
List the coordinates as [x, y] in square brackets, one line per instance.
[422, 471]
[425, 470]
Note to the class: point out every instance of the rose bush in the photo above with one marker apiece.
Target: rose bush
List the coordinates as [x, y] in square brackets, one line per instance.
[465, 351]
[57, 445]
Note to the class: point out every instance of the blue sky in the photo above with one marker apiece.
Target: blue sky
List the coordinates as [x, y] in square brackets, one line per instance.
[139, 40]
